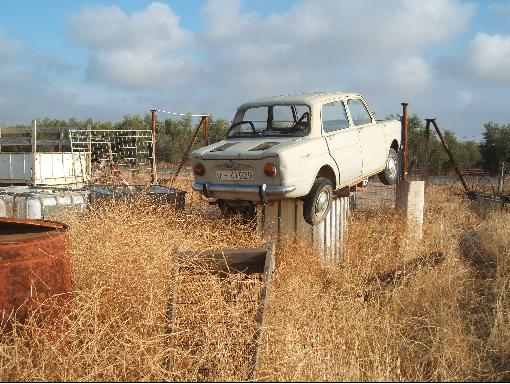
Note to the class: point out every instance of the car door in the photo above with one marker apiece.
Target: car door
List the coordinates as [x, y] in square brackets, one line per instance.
[371, 135]
[343, 141]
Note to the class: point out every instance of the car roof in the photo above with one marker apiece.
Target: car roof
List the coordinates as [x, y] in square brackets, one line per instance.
[309, 98]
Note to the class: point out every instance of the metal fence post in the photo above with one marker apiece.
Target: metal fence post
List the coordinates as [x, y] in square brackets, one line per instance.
[206, 130]
[34, 136]
[426, 141]
[154, 176]
[404, 142]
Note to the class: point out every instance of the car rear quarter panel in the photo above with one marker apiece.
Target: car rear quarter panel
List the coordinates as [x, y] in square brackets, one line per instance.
[300, 164]
[392, 131]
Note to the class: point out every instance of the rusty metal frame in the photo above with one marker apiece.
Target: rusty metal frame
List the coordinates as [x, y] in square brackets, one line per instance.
[445, 146]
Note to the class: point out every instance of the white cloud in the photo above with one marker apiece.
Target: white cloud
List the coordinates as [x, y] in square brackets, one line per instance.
[489, 57]
[409, 75]
[464, 98]
[313, 45]
[363, 26]
[327, 44]
[108, 27]
[140, 51]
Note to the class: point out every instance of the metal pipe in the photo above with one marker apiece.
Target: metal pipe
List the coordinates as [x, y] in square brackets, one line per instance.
[450, 155]
[206, 130]
[405, 142]
[34, 149]
[426, 141]
[34, 136]
[154, 176]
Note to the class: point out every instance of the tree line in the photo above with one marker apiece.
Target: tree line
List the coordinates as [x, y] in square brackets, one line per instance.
[174, 136]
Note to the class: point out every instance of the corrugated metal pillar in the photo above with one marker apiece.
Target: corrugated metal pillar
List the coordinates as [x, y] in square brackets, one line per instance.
[284, 219]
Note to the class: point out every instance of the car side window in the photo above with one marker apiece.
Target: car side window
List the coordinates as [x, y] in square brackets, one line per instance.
[359, 112]
[334, 117]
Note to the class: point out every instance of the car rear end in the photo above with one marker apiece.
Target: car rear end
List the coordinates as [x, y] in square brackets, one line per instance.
[239, 179]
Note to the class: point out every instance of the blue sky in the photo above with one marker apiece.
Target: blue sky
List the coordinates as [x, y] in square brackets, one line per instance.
[450, 59]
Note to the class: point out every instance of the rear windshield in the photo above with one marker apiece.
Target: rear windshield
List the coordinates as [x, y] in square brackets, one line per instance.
[273, 120]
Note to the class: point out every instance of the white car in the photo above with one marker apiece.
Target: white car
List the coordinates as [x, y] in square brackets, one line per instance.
[297, 146]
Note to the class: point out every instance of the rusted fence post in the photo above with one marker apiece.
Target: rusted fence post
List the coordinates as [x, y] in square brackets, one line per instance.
[154, 176]
[206, 130]
[404, 142]
[33, 138]
[426, 141]
[33, 141]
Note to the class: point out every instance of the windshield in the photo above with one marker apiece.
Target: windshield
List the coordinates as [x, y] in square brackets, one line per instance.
[273, 120]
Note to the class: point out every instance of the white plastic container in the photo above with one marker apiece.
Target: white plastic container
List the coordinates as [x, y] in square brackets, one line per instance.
[52, 168]
[39, 203]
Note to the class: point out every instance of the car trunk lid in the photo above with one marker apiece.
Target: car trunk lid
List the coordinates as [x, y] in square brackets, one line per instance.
[256, 148]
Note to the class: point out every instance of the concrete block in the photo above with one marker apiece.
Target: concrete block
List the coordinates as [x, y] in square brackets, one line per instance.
[410, 199]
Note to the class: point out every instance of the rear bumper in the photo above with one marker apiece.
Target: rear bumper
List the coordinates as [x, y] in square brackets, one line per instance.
[263, 191]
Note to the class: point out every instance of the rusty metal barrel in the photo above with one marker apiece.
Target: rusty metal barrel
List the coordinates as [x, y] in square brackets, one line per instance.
[34, 267]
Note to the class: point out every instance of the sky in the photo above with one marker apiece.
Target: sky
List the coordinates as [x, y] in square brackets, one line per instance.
[449, 59]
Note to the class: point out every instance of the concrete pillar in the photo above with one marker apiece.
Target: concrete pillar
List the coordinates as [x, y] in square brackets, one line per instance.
[410, 199]
[284, 218]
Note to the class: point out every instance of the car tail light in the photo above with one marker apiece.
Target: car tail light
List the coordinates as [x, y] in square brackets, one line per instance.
[199, 169]
[270, 170]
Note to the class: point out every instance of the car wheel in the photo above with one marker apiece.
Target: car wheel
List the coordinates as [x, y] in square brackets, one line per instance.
[390, 174]
[318, 201]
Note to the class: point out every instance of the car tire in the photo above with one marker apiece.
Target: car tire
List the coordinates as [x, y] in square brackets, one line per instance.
[389, 175]
[318, 201]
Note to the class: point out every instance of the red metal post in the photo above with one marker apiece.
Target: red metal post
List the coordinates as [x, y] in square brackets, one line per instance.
[405, 142]
[426, 141]
[206, 130]
[154, 176]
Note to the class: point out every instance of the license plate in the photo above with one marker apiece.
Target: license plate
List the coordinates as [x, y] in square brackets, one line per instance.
[234, 175]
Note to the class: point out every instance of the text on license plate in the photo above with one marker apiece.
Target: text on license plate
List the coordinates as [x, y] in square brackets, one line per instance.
[234, 175]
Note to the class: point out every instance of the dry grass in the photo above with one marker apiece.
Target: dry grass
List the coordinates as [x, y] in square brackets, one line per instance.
[442, 323]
